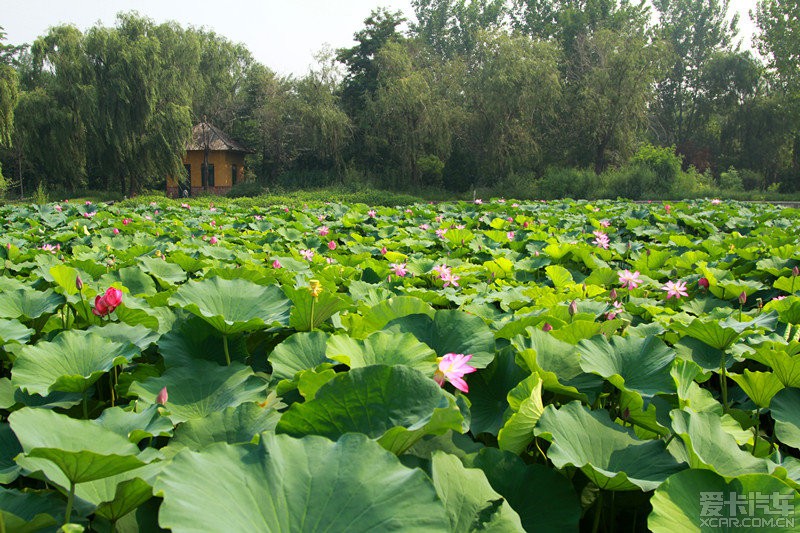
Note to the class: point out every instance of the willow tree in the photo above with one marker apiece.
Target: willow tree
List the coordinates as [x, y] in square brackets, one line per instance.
[8, 99]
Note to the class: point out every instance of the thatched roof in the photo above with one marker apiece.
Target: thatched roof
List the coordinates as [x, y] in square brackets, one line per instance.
[205, 135]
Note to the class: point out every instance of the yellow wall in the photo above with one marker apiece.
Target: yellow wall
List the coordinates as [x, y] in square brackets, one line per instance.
[222, 162]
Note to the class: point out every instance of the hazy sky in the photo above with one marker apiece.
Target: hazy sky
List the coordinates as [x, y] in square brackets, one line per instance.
[282, 34]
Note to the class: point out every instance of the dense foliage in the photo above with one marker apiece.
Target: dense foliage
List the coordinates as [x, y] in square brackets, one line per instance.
[445, 367]
[469, 94]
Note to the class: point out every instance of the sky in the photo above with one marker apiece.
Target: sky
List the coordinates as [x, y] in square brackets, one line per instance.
[284, 35]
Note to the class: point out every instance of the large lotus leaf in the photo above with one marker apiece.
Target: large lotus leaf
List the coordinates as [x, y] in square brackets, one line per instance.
[167, 273]
[785, 408]
[132, 278]
[396, 405]
[72, 362]
[139, 335]
[382, 348]
[611, 456]
[234, 425]
[301, 351]
[451, 331]
[129, 495]
[9, 448]
[544, 499]
[785, 366]
[489, 389]
[640, 364]
[705, 356]
[525, 401]
[192, 340]
[65, 277]
[233, 306]
[709, 446]
[702, 501]
[304, 318]
[378, 316]
[470, 501]
[81, 449]
[759, 386]
[12, 397]
[711, 333]
[14, 331]
[292, 485]
[558, 363]
[136, 426]
[199, 390]
[29, 303]
[29, 512]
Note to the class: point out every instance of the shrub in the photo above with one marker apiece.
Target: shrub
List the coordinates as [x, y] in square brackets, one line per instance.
[430, 170]
[248, 189]
[730, 180]
[559, 182]
[662, 160]
[634, 182]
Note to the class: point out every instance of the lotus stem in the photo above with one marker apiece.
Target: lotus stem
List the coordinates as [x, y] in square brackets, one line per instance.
[311, 320]
[758, 423]
[70, 499]
[85, 405]
[598, 511]
[225, 347]
[723, 383]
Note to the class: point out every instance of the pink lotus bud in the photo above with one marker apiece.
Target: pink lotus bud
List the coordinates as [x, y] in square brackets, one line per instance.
[743, 298]
[214, 240]
[331, 245]
[703, 283]
[100, 306]
[162, 397]
[547, 327]
[78, 283]
[573, 308]
[115, 231]
[384, 250]
[613, 294]
[276, 264]
[795, 271]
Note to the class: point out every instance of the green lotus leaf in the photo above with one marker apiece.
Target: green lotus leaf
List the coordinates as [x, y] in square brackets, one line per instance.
[525, 401]
[611, 456]
[192, 340]
[199, 390]
[167, 273]
[396, 405]
[785, 408]
[233, 306]
[138, 335]
[709, 446]
[640, 364]
[785, 366]
[488, 392]
[382, 348]
[470, 501]
[132, 278]
[378, 316]
[759, 386]
[65, 276]
[129, 495]
[72, 362]
[700, 501]
[234, 425]
[310, 381]
[81, 449]
[14, 331]
[544, 499]
[301, 351]
[558, 364]
[451, 331]
[9, 448]
[711, 333]
[30, 512]
[705, 356]
[326, 305]
[28, 303]
[308, 484]
[135, 426]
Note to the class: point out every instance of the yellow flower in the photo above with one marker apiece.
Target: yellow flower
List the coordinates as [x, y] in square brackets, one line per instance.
[315, 287]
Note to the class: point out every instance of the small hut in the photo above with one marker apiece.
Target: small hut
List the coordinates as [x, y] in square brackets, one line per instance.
[213, 163]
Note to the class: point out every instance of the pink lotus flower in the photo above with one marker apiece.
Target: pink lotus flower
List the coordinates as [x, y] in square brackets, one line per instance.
[453, 367]
[525, 224]
[510, 235]
[276, 264]
[605, 223]
[323, 231]
[331, 245]
[716, 201]
[547, 327]
[57, 208]
[214, 240]
[478, 201]
[162, 397]
[308, 255]
[186, 206]
[113, 296]
[629, 280]
[601, 240]
[319, 217]
[89, 215]
[399, 269]
[115, 231]
[675, 289]
[703, 283]
[424, 227]
[213, 223]
[450, 279]
[384, 250]
[126, 221]
[106, 303]
[440, 233]
[372, 213]
[441, 270]
[667, 208]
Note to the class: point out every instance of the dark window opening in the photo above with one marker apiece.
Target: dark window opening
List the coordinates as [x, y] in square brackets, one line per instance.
[234, 174]
[209, 176]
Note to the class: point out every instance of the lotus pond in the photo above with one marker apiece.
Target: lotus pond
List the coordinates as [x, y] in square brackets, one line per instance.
[452, 367]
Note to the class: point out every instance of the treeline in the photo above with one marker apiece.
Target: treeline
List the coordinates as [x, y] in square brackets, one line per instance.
[528, 96]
